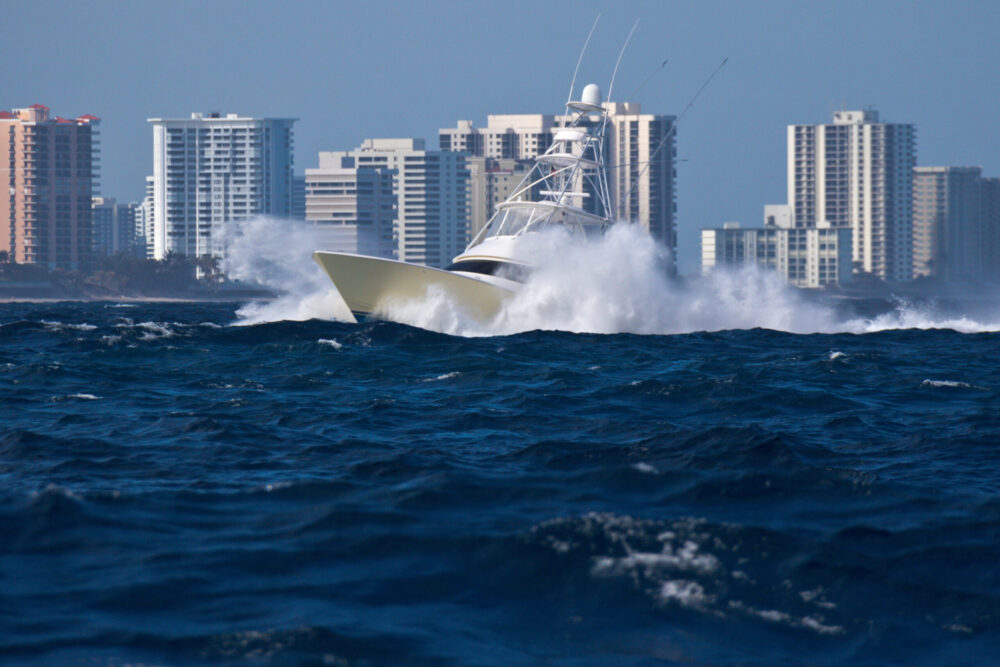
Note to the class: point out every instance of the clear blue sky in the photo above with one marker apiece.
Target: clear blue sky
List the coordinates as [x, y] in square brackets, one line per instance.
[363, 69]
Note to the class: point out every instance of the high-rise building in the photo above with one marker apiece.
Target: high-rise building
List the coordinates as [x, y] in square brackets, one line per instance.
[211, 169]
[353, 209]
[298, 205]
[948, 230]
[990, 193]
[640, 152]
[431, 189]
[114, 226]
[50, 168]
[144, 228]
[857, 173]
[491, 181]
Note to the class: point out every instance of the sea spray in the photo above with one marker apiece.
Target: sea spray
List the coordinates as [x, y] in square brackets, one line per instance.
[617, 284]
[278, 254]
[621, 284]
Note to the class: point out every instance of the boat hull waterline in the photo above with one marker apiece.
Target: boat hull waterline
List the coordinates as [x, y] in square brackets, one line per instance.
[372, 285]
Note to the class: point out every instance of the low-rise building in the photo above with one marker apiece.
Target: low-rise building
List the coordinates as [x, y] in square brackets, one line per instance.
[803, 257]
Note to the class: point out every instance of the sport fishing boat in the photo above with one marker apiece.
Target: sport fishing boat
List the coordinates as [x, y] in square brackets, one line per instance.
[566, 187]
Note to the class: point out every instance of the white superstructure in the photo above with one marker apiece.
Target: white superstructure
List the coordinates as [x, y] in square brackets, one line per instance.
[211, 169]
[640, 151]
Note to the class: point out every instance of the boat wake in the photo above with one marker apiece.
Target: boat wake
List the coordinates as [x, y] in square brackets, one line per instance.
[618, 284]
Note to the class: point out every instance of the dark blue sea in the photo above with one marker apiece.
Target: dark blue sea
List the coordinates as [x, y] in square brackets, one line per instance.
[176, 489]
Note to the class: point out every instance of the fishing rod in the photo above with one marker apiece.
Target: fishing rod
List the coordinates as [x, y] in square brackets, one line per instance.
[669, 134]
[572, 83]
[648, 78]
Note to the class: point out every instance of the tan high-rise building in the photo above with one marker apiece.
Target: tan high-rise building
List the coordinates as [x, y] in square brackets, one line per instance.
[491, 182]
[49, 165]
[948, 239]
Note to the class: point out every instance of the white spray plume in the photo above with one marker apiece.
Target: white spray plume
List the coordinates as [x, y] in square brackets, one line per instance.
[277, 253]
[617, 284]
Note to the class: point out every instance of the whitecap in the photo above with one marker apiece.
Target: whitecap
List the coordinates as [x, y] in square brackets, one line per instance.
[954, 384]
[685, 558]
[813, 622]
[835, 354]
[644, 467]
[445, 376]
[155, 330]
[58, 326]
[79, 397]
[331, 342]
[686, 593]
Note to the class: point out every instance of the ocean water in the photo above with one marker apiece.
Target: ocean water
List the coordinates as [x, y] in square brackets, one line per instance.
[194, 484]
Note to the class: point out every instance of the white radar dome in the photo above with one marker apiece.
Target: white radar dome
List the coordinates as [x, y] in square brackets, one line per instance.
[591, 94]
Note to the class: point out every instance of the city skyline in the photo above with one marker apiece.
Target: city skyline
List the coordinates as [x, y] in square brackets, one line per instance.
[918, 63]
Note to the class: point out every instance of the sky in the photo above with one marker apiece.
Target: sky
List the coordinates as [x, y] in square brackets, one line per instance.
[354, 70]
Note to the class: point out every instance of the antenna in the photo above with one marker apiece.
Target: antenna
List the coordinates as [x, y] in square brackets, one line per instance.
[673, 129]
[579, 60]
[611, 86]
[620, 54]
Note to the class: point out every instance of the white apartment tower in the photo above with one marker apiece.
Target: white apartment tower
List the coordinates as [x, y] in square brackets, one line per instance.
[857, 173]
[211, 169]
[641, 170]
[640, 154]
[431, 190]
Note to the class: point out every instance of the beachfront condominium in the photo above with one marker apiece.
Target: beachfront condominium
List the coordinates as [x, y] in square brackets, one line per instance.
[491, 181]
[431, 190]
[803, 256]
[955, 225]
[989, 189]
[212, 169]
[114, 227]
[351, 209]
[639, 150]
[49, 165]
[857, 172]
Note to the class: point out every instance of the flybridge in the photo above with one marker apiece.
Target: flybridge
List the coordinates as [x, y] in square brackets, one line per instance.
[565, 178]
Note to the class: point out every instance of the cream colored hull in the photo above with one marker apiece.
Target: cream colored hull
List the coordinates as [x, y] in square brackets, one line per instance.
[371, 285]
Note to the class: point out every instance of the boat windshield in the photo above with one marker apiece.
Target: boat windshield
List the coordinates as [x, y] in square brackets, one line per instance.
[514, 219]
[511, 221]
